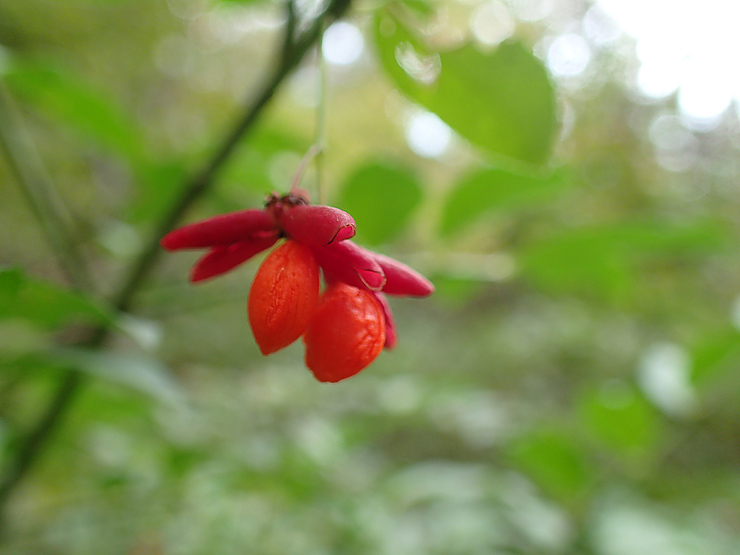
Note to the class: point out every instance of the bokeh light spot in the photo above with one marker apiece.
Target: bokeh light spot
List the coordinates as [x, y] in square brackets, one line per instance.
[342, 44]
[568, 55]
[427, 135]
[491, 23]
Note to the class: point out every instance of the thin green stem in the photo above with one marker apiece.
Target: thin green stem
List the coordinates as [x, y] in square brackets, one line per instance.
[320, 140]
[300, 171]
[293, 51]
[40, 193]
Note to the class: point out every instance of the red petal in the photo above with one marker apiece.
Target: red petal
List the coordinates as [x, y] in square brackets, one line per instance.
[390, 323]
[223, 229]
[346, 262]
[221, 259]
[316, 225]
[346, 333]
[402, 280]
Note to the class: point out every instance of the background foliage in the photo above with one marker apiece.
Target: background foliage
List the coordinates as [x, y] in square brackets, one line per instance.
[571, 387]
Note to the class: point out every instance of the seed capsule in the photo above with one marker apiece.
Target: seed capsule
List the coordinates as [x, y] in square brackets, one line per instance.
[283, 297]
[346, 333]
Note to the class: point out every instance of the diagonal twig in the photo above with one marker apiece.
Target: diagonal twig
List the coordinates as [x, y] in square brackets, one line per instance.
[292, 52]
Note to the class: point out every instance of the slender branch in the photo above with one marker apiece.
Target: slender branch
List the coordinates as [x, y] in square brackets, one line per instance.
[293, 51]
[34, 441]
[40, 193]
[291, 20]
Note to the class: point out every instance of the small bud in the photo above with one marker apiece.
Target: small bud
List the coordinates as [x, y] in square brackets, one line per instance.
[283, 297]
[316, 225]
[346, 333]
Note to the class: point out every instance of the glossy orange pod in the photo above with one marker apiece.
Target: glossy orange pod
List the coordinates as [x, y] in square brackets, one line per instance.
[284, 296]
[346, 333]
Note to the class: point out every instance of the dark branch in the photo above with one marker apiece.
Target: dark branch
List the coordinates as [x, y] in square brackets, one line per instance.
[293, 51]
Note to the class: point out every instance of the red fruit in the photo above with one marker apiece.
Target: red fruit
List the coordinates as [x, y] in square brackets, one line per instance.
[283, 297]
[346, 333]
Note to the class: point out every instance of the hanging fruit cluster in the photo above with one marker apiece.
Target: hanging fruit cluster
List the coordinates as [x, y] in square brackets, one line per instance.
[345, 327]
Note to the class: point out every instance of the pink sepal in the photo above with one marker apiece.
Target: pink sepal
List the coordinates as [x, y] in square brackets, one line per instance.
[390, 323]
[344, 261]
[223, 229]
[402, 280]
[316, 225]
[220, 259]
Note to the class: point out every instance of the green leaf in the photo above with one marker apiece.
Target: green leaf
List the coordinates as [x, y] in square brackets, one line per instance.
[619, 418]
[605, 259]
[381, 197]
[554, 461]
[68, 98]
[715, 356]
[501, 101]
[45, 303]
[160, 186]
[135, 370]
[19, 337]
[423, 8]
[498, 189]
[65, 96]
[11, 281]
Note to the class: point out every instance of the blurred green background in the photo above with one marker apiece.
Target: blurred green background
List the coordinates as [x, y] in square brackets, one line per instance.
[566, 172]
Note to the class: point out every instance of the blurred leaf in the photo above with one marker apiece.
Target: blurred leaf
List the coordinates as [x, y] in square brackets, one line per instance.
[19, 337]
[424, 8]
[713, 355]
[497, 189]
[457, 290]
[604, 259]
[160, 184]
[250, 166]
[135, 370]
[68, 98]
[145, 332]
[501, 101]
[90, 3]
[381, 197]
[618, 417]
[554, 461]
[47, 304]
[65, 96]
[11, 281]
